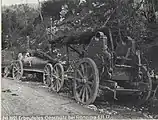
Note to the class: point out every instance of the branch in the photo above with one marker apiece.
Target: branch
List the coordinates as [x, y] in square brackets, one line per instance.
[40, 10]
[109, 16]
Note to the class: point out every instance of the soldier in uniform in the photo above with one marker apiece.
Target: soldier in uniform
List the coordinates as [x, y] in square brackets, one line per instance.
[98, 50]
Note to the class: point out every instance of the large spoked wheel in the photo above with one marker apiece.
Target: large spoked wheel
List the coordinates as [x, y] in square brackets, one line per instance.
[17, 71]
[47, 74]
[145, 85]
[86, 81]
[58, 77]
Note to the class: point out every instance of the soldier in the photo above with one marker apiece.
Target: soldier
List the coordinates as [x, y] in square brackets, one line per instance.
[99, 52]
[105, 54]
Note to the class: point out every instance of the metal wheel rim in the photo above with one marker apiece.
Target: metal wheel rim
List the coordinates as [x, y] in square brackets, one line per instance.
[58, 77]
[17, 70]
[86, 82]
[6, 72]
[47, 76]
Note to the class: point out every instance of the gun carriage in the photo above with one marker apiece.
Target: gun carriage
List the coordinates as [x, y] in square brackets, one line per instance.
[33, 61]
[102, 64]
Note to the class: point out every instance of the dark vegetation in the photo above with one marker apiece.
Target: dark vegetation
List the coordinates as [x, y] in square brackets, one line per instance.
[72, 18]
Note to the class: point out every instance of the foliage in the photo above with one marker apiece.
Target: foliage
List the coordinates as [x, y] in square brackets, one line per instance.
[92, 15]
[72, 18]
[16, 23]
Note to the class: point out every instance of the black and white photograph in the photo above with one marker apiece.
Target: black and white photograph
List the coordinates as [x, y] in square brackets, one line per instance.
[79, 59]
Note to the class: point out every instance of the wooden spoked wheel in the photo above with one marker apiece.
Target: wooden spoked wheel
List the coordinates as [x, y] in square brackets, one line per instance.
[86, 81]
[47, 74]
[58, 77]
[17, 70]
[6, 72]
[146, 82]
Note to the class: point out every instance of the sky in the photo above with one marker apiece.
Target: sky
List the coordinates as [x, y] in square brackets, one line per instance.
[10, 2]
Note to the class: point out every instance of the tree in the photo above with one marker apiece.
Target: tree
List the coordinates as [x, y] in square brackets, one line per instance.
[73, 17]
[14, 25]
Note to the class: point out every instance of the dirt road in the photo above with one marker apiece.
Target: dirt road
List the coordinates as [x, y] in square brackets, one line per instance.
[33, 98]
